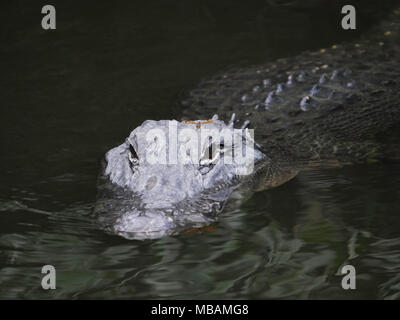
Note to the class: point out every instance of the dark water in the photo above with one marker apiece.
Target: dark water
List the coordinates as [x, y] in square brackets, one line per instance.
[71, 94]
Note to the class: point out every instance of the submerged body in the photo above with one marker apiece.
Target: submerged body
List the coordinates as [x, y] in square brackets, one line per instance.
[335, 106]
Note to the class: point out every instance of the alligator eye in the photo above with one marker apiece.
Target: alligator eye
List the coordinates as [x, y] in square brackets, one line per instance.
[133, 156]
[209, 158]
[133, 152]
[210, 150]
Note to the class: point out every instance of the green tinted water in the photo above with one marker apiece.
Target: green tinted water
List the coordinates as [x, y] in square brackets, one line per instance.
[71, 94]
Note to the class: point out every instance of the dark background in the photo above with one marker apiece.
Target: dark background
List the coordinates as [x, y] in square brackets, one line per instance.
[110, 65]
[70, 94]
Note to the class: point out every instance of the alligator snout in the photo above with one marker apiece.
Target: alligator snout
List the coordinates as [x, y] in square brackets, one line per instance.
[149, 224]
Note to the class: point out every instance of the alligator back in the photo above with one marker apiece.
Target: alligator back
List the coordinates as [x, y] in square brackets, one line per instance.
[340, 103]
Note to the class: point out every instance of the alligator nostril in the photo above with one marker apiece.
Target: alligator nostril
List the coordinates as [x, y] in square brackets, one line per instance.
[151, 183]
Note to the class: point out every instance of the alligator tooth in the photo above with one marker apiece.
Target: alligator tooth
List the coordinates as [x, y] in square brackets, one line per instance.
[214, 117]
[257, 106]
[323, 79]
[305, 103]
[256, 89]
[244, 98]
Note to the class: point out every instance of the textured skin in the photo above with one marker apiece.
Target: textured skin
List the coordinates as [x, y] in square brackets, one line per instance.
[350, 93]
[336, 106]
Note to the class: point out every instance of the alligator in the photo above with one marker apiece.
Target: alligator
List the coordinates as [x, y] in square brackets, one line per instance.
[337, 106]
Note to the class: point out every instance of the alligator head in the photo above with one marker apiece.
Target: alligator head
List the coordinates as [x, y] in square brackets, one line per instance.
[169, 176]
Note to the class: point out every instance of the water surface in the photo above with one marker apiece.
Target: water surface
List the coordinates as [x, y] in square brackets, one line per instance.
[71, 94]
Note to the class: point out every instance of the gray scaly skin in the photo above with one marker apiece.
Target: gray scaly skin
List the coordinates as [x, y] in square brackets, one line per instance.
[336, 106]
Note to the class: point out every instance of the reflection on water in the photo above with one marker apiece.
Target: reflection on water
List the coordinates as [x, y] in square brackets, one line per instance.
[286, 243]
[72, 94]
